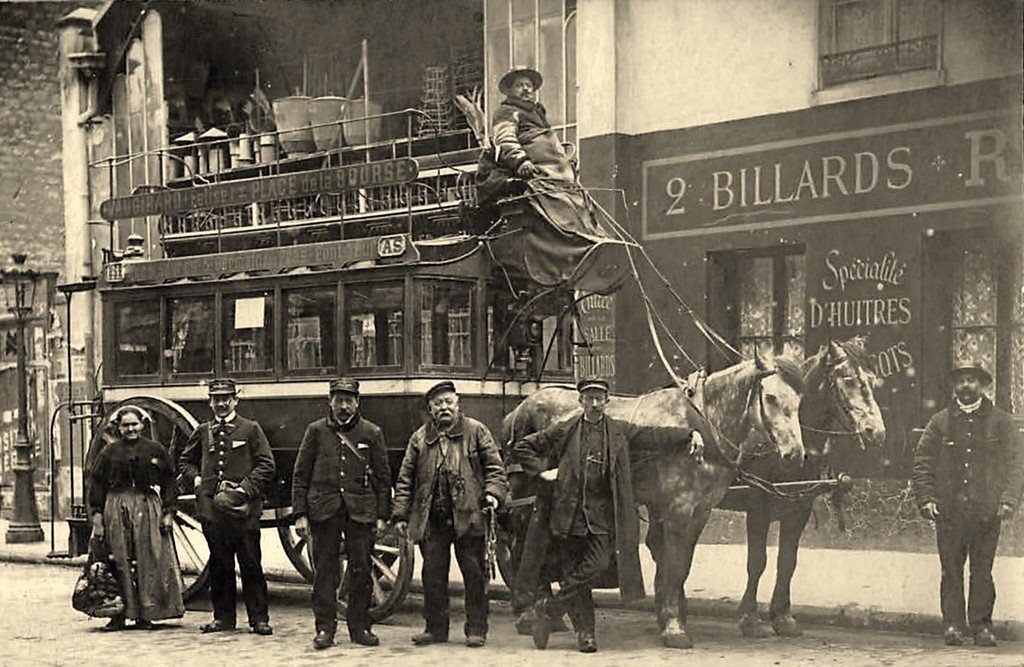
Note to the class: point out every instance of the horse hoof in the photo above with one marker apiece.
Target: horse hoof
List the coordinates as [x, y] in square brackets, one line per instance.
[786, 626]
[755, 628]
[676, 640]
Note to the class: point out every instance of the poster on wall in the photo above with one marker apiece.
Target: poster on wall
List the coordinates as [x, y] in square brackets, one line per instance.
[595, 338]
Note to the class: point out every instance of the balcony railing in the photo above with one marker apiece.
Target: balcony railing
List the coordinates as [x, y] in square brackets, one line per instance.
[904, 56]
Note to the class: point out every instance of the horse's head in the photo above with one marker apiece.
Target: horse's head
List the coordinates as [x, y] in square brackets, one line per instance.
[848, 384]
[773, 406]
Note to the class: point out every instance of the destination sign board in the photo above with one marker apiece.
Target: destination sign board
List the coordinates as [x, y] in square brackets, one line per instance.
[328, 256]
[267, 188]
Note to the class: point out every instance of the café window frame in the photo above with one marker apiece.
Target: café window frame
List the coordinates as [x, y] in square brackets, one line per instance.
[120, 327]
[865, 39]
[454, 332]
[775, 320]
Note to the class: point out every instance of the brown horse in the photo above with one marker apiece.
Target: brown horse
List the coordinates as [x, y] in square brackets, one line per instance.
[756, 401]
[838, 401]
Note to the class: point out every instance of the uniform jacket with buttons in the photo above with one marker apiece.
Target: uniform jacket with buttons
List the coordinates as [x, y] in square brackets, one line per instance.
[477, 463]
[340, 463]
[558, 446]
[969, 463]
[238, 452]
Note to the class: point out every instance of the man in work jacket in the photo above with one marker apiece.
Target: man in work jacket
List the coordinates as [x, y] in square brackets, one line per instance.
[593, 512]
[967, 478]
[342, 488]
[452, 470]
[230, 461]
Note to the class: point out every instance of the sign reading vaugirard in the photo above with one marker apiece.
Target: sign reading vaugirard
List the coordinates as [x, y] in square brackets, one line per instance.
[931, 165]
[267, 188]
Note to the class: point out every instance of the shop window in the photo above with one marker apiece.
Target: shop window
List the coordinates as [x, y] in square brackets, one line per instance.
[446, 324]
[539, 34]
[137, 338]
[190, 334]
[373, 314]
[310, 328]
[764, 294]
[248, 332]
[975, 308]
[860, 39]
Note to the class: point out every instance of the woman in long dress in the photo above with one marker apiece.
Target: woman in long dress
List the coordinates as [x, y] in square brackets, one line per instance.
[132, 500]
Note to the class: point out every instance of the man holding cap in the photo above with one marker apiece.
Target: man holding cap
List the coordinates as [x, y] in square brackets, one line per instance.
[967, 479]
[342, 488]
[452, 470]
[593, 517]
[232, 465]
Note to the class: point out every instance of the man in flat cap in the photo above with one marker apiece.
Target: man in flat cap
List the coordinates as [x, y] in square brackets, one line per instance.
[968, 478]
[593, 517]
[451, 472]
[230, 461]
[342, 488]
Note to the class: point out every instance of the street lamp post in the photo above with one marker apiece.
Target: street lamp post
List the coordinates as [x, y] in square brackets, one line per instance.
[24, 524]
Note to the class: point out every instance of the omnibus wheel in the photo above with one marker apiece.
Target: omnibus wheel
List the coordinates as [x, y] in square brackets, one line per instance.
[391, 565]
[191, 548]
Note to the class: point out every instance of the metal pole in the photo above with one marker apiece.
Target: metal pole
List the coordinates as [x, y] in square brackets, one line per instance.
[24, 525]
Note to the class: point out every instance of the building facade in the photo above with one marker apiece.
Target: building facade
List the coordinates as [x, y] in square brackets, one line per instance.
[818, 169]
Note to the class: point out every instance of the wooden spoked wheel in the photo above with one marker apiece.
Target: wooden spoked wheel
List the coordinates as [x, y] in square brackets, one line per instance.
[171, 426]
[391, 565]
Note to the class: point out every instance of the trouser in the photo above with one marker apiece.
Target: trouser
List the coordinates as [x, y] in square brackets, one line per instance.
[228, 541]
[359, 538]
[960, 538]
[534, 557]
[584, 559]
[436, 548]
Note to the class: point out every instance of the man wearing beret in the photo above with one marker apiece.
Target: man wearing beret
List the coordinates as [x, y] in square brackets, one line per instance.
[968, 478]
[593, 518]
[232, 465]
[452, 470]
[342, 488]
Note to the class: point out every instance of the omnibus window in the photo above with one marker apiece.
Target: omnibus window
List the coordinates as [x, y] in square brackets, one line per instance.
[500, 312]
[373, 313]
[445, 326]
[310, 327]
[137, 328]
[190, 333]
[249, 332]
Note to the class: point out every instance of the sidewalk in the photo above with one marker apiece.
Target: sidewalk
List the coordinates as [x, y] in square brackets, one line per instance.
[882, 590]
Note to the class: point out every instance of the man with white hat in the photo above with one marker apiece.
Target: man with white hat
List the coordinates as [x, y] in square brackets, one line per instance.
[967, 478]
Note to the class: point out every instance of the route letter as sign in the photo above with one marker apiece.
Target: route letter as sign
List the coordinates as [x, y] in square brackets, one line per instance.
[391, 246]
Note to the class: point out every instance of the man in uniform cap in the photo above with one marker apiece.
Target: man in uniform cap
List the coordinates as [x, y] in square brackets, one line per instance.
[342, 488]
[452, 470]
[968, 478]
[593, 517]
[230, 461]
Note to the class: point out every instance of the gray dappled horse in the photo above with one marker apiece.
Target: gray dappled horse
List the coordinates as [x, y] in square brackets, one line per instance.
[838, 400]
[754, 401]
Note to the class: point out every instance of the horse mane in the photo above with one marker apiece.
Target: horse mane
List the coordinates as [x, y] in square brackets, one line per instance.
[856, 349]
[791, 372]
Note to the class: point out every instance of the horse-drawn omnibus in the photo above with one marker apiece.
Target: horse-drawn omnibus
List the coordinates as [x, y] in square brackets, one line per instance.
[370, 261]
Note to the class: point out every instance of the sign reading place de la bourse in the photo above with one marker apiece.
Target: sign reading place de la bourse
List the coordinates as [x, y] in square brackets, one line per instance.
[267, 188]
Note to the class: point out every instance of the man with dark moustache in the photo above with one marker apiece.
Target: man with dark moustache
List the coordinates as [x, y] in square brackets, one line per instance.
[593, 517]
[230, 461]
[967, 479]
[452, 470]
[342, 488]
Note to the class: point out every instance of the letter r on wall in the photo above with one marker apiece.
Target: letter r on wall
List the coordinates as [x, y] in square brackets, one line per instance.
[978, 156]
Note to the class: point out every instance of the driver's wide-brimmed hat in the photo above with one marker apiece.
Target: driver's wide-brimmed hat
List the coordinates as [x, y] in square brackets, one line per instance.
[505, 85]
[971, 368]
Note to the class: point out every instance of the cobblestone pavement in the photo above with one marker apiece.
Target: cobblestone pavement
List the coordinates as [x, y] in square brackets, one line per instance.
[40, 628]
